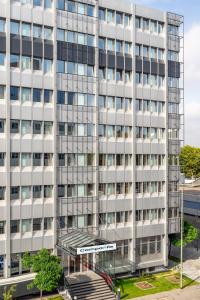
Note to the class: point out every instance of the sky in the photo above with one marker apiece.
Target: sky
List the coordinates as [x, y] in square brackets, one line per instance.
[191, 12]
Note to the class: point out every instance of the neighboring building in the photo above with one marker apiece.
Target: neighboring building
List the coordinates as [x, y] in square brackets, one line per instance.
[89, 130]
[191, 202]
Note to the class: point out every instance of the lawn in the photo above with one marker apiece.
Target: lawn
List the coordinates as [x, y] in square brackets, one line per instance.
[157, 283]
[56, 298]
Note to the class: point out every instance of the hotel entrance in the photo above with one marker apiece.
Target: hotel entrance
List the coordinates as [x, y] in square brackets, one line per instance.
[78, 251]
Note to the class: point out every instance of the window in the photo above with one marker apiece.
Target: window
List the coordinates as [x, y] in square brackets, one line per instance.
[60, 66]
[102, 73]
[110, 74]
[14, 192]
[138, 22]
[47, 3]
[25, 127]
[61, 128]
[81, 8]
[14, 93]
[127, 20]
[14, 27]
[2, 92]
[2, 159]
[37, 2]
[61, 4]
[71, 68]
[37, 224]
[37, 191]
[90, 40]
[154, 26]
[145, 24]
[15, 226]
[160, 27]
[26, 225]
[48, 127]
[138, 78]
[25, 160]
[71, 6]
[48, 191]
[37, 31]
[102, 43]
[119, 18]
[90, 10]
[37, 159]
[25, 63]
[14, 159]
[60, 34]
[47, 66]
[37, 127]
[81, 69]
[110, 16]
[2, 227]
[14, 61]
[102, 101]
[2, 25]
[119, 46]
[26, 29]
[119, 103]
[110, 45]
[37, 95]
[37, 64]
[2, 193]
[60, 97]
[102, 14]
[110, 102]
[2, 59]
[48, 94]
[90, 71]
[48, 33]
[119, 75]
[127, 48]
[48, 223]
[25, 192]
[71, 98]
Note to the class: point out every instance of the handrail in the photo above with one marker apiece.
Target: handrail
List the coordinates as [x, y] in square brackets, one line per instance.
[102, 273]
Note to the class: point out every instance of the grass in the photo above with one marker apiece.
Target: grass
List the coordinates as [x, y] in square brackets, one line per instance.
[159, 282]
[55, 298]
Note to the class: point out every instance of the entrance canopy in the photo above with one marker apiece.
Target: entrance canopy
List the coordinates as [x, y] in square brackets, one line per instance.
[77, 242]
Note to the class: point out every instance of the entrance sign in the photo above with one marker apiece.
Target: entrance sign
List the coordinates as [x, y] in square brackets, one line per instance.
[96, 249]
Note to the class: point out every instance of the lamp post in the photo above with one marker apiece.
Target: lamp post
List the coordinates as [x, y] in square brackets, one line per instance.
[181, 254]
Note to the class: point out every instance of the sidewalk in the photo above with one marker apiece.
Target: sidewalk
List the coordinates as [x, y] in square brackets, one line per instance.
[189, 293]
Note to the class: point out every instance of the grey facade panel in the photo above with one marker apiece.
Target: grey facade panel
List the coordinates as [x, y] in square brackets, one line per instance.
[128, 63]
[2, 42]
[91, 56]
[111, 61]
[120, 62]
[154, 68]
[102, 59]
[161, 69]
[138, 65]
[173, 69]
[146, 66]
[14, 44]
[61, 50]
[48, 50]
[37, 48]
[26, 46]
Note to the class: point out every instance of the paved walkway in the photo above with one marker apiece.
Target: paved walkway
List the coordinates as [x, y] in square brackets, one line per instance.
[189, 293]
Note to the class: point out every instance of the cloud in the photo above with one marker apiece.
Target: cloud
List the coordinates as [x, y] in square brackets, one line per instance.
[192, 85]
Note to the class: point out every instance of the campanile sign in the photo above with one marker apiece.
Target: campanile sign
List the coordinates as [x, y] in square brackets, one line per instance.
[96, 249]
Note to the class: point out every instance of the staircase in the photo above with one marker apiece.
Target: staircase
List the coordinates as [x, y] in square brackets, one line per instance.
[89, 286]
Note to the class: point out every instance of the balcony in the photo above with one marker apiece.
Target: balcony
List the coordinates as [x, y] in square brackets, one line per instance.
[174, 147]
[174, 173]
[174, 199]
[174, 121]
[174, 225]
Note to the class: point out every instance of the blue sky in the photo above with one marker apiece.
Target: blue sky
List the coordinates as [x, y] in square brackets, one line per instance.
[191, 11]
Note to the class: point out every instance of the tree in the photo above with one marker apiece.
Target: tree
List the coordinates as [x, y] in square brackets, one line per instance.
[190, 161]
[190, 233]
[7, 295]
[47, 268]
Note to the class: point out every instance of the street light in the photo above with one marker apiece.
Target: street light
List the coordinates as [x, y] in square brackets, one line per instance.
[181, 255]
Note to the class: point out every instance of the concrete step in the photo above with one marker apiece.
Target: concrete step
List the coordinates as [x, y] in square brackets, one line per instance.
[91, 291]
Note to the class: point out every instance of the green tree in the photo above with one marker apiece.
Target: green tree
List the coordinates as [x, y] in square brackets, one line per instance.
[47, 268]
[190, 161]
[190, 233]
[8, 293]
